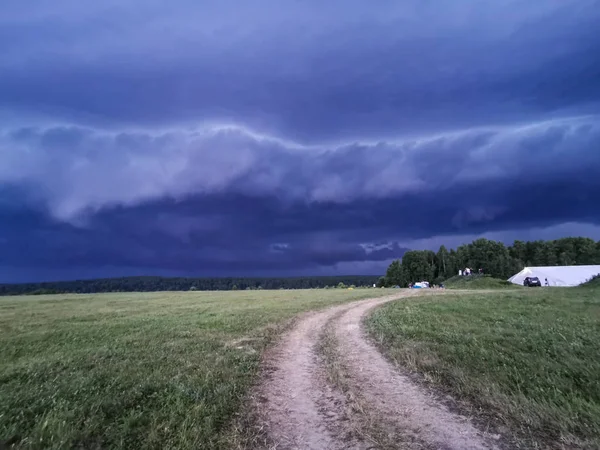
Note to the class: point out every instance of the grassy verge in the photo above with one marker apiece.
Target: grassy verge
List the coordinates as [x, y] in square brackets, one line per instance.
[528, 359]
[152, 370]
[478, 282]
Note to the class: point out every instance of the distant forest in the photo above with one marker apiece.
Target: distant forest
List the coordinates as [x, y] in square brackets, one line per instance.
[493, 257]
[150, 284]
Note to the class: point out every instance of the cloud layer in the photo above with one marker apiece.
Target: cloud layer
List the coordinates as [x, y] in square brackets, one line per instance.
[207, 139]
[79, 170]
[227, 199]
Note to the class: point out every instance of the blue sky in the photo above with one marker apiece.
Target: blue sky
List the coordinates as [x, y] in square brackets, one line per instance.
[290, 137]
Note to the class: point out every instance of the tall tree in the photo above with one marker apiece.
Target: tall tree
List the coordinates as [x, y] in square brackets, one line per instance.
[443, 263]
[586, 251]
[517, 251]
[395, 275]
[550, 254]
[417, 266]
[494, 258]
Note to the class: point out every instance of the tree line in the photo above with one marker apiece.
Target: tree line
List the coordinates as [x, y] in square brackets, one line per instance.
[493, 257]
[151, 284]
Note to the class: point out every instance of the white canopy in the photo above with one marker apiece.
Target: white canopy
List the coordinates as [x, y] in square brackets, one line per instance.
[557, 275]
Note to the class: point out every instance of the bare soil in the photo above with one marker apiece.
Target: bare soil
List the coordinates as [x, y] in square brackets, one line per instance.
[299, 409]
[298, 406]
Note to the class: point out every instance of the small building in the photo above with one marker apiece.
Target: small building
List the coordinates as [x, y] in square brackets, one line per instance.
[557, 275]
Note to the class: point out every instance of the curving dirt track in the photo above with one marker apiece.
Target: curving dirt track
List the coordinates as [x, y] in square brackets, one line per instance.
[300, 410]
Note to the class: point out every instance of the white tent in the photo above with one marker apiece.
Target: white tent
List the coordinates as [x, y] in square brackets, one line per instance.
[557, 275]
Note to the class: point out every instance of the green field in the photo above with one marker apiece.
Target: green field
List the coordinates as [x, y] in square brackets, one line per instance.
[151, 370]
[528, 360]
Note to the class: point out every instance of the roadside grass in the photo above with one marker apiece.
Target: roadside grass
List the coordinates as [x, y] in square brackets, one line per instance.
[527, 360]
[132, 370]
[478, 282]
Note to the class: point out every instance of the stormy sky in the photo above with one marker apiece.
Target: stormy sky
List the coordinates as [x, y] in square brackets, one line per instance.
[290, 137]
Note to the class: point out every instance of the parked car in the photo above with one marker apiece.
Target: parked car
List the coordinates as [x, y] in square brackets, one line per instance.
[532, 281]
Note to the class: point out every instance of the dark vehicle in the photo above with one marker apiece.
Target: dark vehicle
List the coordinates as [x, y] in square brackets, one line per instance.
[532, 281]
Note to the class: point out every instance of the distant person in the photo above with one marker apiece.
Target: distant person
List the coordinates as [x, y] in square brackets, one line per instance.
[460, 272]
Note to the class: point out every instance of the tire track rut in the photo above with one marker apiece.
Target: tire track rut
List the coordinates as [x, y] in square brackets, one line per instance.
[300, 410]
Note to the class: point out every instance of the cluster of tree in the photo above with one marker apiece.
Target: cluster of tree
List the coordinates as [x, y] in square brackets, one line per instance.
[494, 258]
[150, 284]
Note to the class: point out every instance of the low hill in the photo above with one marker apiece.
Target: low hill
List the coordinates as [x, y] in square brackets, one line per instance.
[477, 282]
[594, 283]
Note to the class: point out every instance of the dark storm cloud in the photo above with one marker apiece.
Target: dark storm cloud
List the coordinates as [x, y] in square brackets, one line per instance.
[295, 137]
[307, 72]
[78, 171]
[159, 236]
[264, 205]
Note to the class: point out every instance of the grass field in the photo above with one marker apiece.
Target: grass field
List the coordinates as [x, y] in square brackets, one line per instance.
[529, 358]
[152, 370]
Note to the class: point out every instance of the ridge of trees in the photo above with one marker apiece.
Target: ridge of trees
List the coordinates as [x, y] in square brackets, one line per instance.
[494, 258]
[151, 284]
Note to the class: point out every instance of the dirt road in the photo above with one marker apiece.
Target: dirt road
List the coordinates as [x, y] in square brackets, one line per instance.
[302, 410]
